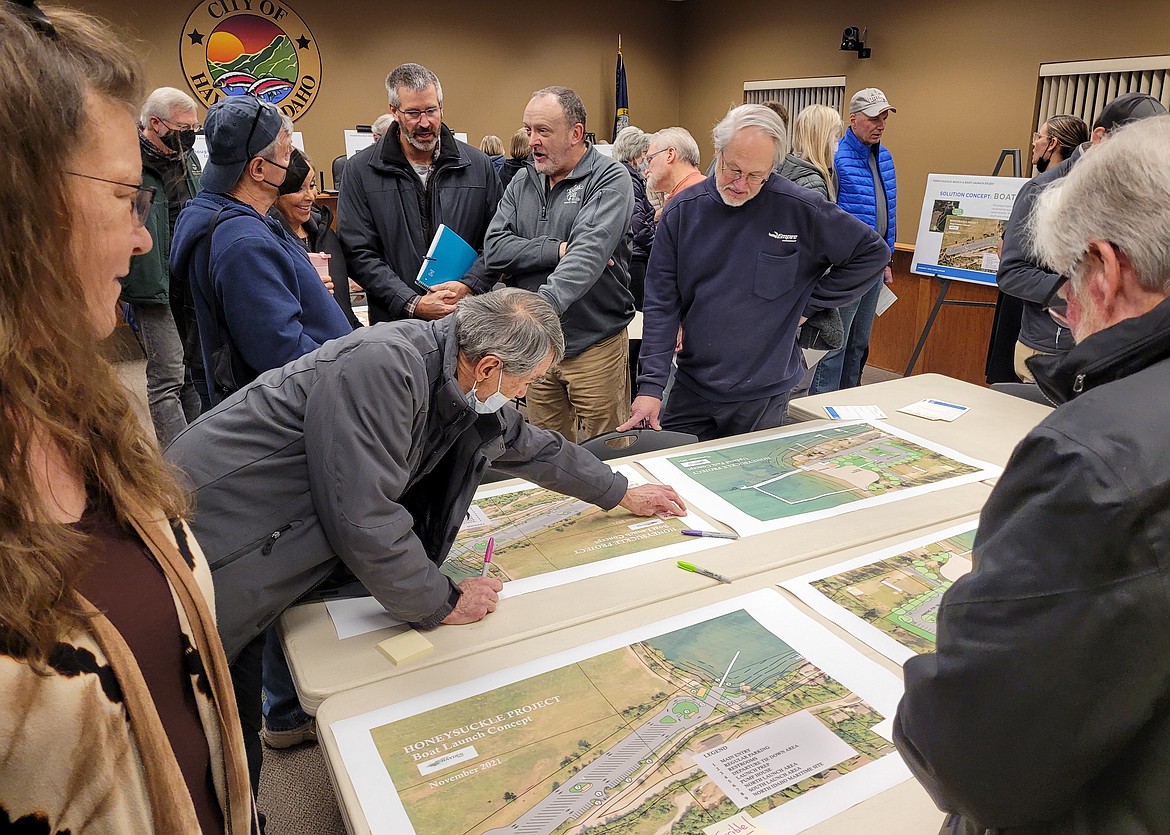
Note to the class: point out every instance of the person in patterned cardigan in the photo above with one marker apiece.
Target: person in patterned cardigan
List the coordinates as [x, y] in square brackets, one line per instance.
[116, 713]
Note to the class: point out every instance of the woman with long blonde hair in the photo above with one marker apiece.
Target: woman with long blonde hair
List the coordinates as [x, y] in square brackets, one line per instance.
[116, 712]
[815, 133]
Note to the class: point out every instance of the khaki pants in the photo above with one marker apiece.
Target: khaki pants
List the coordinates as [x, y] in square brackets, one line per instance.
[1023, 352]
[587, 395]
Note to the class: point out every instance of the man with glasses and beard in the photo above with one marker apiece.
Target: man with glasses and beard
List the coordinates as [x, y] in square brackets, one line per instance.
[259, 302]
[166, 132]
[739, 261]
[395, 194]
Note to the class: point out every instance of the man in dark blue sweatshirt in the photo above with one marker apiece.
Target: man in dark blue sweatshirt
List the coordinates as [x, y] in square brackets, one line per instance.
[259, 303]
[739, 263]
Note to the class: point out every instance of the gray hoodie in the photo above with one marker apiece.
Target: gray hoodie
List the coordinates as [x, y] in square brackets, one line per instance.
[590, 209]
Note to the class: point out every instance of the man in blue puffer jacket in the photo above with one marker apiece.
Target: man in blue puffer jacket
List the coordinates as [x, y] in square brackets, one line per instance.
[869, 192]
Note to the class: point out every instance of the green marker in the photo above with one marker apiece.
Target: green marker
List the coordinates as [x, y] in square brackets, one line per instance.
[686, 566]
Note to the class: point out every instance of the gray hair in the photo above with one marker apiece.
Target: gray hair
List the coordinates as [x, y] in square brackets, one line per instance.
[630, 143]
[680, 139]
[518, 326]
[381, 124]
[752, 116]
[570, 102]
[1118, 192]
[286, 130]
[414, 77]
[164, 101]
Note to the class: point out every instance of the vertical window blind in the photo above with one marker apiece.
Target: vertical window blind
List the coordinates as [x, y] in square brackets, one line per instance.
[1083, 88]
[797, 93]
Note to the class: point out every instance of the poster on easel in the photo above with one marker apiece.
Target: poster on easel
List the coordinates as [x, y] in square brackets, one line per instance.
[961, 225]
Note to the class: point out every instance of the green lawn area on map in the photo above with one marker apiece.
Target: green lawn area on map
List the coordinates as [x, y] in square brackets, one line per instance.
[816, 470]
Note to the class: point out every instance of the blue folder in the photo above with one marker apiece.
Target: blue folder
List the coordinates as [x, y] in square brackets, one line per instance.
[448, 259]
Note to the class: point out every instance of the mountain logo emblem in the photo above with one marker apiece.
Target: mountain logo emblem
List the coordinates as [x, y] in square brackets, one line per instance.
[251, 48]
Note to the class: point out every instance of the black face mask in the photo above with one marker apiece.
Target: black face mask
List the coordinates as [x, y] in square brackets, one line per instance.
[294, 173]
[1042, 163]
[179, 141]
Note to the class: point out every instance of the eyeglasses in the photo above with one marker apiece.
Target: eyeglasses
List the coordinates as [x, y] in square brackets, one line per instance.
[752, 180]
[649, 157]
[195, 127]
[141, 202]
[1036, 137]
[415, 115]
[1053, 296]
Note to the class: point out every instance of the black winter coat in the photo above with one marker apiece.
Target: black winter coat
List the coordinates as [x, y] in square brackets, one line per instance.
[1046, 708]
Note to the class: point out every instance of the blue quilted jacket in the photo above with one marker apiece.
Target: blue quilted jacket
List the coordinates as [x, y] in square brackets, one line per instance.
[856, 192]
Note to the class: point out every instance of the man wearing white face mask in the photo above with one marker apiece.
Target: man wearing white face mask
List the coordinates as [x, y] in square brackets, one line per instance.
[368, 452]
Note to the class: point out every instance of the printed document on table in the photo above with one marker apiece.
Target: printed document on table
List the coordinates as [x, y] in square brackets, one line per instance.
[744, 706]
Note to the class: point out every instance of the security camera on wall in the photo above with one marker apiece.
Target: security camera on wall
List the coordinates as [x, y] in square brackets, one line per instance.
[853, 40]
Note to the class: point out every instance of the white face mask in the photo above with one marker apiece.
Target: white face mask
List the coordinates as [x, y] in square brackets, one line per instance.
[494, 403]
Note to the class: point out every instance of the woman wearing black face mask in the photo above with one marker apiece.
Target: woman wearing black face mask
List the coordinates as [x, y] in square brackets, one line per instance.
[1056, 140]
[310, 225]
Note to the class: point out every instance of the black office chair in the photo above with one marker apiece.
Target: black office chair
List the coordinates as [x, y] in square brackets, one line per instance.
[338, 169]
[1026, 391]
[641, 440]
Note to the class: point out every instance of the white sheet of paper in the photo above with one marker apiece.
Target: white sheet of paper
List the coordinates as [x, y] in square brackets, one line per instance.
[886, 298]
[358, 615]
[765, 761]
[935, 410]
[855, 412]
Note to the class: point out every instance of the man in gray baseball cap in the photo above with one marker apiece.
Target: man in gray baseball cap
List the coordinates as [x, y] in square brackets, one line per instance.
[872, 102]
[238, 129]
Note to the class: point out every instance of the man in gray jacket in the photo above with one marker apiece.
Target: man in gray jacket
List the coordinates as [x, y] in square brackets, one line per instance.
[368, 452]
[562, 229]
[395, 194]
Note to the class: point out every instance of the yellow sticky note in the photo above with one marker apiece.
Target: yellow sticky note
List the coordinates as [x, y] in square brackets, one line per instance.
[404, 648]
[741, 824]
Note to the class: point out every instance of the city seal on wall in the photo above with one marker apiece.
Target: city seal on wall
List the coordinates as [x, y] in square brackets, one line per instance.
[258, 48]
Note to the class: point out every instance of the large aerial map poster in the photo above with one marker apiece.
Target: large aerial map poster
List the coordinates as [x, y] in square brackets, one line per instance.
[806, 474]
[744, 707]
[545, 539]
[890, 598]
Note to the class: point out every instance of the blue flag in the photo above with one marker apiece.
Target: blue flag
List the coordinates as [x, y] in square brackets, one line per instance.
[621, 117]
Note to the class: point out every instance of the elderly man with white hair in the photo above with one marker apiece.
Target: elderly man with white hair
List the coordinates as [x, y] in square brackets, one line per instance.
[739, 261]
[160, 305]
[672, 164]
[1044, 707]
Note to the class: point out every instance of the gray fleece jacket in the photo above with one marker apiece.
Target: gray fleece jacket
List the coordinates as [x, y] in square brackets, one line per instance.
[365, 451]
[590, 209]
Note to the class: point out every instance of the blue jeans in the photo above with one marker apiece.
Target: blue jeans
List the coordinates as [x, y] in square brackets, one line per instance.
[841, 368]
[282, 708]
[172, 400]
